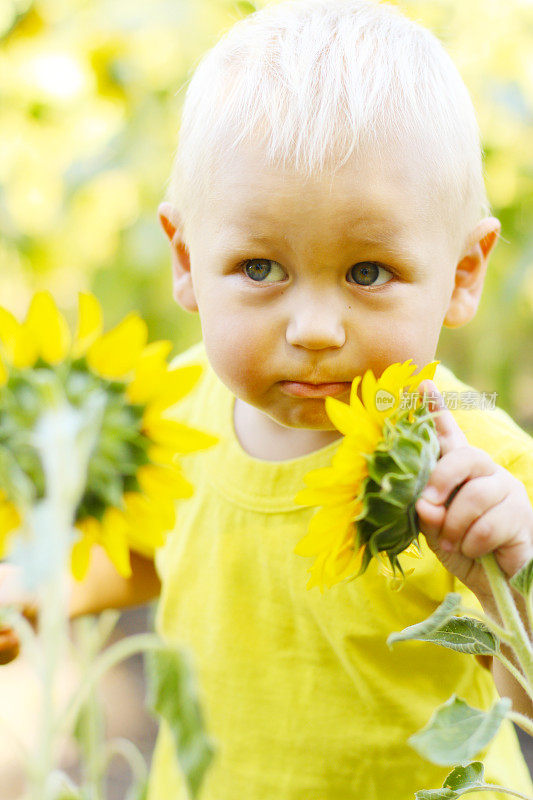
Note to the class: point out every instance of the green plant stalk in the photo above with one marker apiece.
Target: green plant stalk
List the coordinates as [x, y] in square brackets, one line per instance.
[92, 736]
[118, 652]
[53, 628]
[90, 724]
[529, 607]
[64, 439]
[522, 721]
[492, 788]
[517, 675]
[131, 754]
[510, 616]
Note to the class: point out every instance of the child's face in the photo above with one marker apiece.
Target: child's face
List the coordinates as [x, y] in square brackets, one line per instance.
[315, 282]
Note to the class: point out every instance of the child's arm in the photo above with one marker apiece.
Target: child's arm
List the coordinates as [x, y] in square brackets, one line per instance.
[470, 507]
[103, 587]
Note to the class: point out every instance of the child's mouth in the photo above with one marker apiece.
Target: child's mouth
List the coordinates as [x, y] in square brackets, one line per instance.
[297, 389]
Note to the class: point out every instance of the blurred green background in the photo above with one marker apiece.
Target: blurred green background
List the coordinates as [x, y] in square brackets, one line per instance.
[90, 98]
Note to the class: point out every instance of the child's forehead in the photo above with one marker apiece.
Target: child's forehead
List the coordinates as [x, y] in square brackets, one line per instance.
[368, 191]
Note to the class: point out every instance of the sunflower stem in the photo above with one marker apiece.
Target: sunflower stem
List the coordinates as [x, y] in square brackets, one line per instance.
[53, 631]
[511, 619]
[526, 723]
[64, 439]
[90, 723]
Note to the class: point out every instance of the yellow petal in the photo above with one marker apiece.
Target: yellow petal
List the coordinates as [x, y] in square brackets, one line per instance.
[324, 529]
[80, 557]
[342, 416]
[9, 331]
[9, 522]
[4, 375]
[176, 384]
[354, 399]
[368, 393]
[339, 561]
[316, 572]
[396, 376]
[150, 372]
[427, 373]
[319, 478]
[146, 518]
[114, 355]
[384, 567]
[412, 551]
[352, 558]
[114, 540]
[90, 323]
[174, 434]
[159, 454]
[157, 482]
[89, 527]
[20, 348]
[349, 463]
[329, 495]
[48, 328]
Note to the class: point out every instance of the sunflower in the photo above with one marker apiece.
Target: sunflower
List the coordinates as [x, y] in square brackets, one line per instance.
[368, 493]
[134, 476]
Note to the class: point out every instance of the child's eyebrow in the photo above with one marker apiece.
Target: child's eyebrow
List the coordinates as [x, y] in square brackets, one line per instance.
[386, 239]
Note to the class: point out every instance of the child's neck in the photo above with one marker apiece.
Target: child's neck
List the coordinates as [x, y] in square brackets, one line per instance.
[262, 437]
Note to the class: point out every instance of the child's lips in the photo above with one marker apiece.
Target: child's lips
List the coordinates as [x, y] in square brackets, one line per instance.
[298, 389]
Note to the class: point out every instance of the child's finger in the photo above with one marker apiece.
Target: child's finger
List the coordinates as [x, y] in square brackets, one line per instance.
[449, 433]
[474, 499]
[453, 469]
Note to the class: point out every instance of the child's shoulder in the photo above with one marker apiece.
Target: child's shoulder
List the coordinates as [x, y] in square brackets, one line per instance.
[205, 405]
[487, 426]
[193, 355]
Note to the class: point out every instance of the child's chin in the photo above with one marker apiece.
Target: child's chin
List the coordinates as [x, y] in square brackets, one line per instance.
[311, 418]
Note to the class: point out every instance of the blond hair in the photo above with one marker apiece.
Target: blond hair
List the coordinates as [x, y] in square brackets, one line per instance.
[317, 81]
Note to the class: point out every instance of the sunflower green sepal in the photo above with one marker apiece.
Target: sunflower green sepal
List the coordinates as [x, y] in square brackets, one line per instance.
[398, 471]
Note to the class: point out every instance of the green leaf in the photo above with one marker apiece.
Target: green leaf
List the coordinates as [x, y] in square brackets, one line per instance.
[523, 580]
[173, 694]
[461, 780]
[430, 625]
[463, 634]
[456, 732]
[436, 794]
[465, 777]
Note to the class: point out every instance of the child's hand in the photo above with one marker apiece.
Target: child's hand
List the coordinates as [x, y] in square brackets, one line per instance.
[489, 510]
[12, 593]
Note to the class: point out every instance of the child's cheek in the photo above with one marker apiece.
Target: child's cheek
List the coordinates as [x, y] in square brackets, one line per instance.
[239, 358]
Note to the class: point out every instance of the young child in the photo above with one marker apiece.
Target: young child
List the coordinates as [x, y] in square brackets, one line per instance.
[326, 215]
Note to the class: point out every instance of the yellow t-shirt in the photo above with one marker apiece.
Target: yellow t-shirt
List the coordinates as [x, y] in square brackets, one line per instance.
[299, 689]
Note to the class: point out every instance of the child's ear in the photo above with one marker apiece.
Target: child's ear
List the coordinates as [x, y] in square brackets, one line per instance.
[470, 273]
[181, 262]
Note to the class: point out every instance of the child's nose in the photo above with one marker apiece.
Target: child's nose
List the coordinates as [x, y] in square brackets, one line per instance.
[316, 327]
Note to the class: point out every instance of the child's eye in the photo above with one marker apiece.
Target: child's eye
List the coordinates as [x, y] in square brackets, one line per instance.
[264, 270]
[368, 273]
